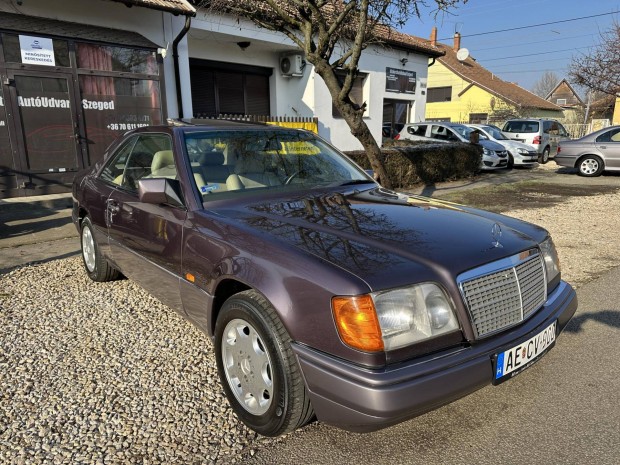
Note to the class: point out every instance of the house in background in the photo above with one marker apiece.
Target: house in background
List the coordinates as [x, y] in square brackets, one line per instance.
[461, 90]
[76, 74]
[563, 95]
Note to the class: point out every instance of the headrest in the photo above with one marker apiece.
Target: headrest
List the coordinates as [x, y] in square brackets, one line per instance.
[211, 159]
[162, 159]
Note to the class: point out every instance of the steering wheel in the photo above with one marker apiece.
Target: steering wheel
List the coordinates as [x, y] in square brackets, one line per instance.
[288, 180]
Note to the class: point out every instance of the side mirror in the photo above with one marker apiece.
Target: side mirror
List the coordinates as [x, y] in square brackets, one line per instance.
[160, 191]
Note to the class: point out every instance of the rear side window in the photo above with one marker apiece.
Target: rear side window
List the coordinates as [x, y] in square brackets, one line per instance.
[521, 126]
[417, 129]
[609, 136]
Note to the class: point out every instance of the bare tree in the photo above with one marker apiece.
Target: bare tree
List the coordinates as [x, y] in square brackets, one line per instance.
[332, 34]
[545, 84]
[599, 69]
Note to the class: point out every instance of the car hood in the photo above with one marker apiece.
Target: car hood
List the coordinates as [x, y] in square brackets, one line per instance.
[515, 144]
[489, 144]
[389, 239]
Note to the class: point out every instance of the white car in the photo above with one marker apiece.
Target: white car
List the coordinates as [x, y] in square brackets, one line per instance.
[519, 154]
[494, 155]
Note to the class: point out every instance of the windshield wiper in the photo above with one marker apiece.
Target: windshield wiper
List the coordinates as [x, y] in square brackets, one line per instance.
[357, 181]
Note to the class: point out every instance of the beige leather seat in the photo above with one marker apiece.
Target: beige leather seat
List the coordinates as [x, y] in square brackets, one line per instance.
[163, 165]
[253, 170]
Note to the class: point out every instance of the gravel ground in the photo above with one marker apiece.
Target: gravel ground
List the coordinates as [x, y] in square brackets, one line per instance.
[105, 374]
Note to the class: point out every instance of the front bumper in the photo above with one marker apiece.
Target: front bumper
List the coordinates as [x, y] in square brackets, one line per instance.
[360, 399]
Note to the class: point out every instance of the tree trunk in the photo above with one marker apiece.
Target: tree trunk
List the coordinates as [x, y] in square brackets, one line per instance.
[353, 115]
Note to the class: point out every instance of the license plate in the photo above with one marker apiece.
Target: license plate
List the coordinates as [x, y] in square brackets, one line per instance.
[513, 361]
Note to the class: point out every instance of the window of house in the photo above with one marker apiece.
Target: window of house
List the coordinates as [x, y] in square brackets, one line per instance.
[395, 116]
[225, 88]
[439, 94]
[561, 101]
[478, 118]
[356, 94]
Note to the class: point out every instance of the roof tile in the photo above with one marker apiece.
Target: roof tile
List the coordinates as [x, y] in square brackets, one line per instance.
[173, 6]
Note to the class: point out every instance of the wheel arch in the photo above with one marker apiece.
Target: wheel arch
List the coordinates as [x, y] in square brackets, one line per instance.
[224, 291]
[586, 155]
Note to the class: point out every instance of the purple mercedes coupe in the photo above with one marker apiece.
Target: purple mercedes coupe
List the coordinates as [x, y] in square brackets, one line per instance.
[326, 296]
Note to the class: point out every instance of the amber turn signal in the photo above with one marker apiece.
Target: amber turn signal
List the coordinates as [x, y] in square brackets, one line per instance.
[357, 323]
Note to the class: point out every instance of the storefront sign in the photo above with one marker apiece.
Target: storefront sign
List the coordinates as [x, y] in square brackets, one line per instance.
[400, 80]
[37, 50]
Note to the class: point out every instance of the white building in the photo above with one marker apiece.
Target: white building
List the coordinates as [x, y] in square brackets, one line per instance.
[78, 73]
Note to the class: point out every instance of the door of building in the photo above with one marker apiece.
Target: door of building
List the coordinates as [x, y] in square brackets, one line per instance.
[45, 126]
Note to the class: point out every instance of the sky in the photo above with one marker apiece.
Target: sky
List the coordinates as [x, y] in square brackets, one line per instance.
[524, 54]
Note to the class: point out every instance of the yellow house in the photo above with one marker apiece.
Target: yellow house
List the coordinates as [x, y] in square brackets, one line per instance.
[461, 90]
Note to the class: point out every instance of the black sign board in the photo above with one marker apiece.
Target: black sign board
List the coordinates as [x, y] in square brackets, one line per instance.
[400, 80]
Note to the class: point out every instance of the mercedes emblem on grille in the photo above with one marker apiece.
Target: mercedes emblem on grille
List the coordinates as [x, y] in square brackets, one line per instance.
[496, 233]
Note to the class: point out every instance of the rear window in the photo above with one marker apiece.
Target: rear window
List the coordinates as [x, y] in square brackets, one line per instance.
[521, 126]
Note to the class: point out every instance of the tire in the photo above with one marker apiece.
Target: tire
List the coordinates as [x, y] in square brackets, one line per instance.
[590, 166]
[96, 266]
[544, 156]
[511, 161]
[258, 368]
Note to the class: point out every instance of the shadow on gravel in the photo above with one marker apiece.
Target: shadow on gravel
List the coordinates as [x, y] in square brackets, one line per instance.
[608, 317]
[36, 262]
[525, 195]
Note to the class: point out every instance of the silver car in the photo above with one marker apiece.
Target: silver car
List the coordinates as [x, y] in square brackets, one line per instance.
[519, 154]
[542, 134]
[592, 154]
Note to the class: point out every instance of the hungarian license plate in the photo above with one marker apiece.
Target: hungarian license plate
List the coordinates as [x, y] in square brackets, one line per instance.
[513, 361]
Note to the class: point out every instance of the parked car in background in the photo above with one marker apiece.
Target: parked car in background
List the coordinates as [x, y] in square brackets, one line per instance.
[519, 154]
[494, 155]
[593, 153]
[542, 134]
[324, 293]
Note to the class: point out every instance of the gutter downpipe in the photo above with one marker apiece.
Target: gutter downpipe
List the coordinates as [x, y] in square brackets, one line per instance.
[175, 59]
[432, 62]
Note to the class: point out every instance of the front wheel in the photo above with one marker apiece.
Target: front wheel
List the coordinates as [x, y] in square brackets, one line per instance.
[97, 267]
[257, 367]
[591, 166]
[544, 157]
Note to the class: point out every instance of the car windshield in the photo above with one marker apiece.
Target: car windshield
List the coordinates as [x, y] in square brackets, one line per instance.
[465, 131]
[231, 163]
[495, 133]
[521, 126]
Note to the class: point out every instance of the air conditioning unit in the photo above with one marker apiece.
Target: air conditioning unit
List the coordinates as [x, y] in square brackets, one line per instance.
[292, 64]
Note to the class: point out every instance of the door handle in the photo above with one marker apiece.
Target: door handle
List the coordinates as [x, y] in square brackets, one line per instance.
[113, 206]
[603, 146]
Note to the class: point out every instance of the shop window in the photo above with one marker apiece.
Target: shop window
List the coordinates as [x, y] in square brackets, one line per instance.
[114, 105]
[395, 116]
[439, 94]
[122, 59]
[12, 50]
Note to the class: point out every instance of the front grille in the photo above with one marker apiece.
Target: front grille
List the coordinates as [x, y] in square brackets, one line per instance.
[504, 293]
[501, 154]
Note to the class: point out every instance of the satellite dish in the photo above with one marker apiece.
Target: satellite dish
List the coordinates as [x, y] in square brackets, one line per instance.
[462, 54]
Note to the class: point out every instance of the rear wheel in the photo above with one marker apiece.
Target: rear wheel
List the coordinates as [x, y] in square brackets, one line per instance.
[97, 267]
[544, 156]
[590, 166]
[257, 366]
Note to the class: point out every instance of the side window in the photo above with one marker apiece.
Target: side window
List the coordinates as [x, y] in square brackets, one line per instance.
[546, 127]
[143, 156]
[562, 130]
[114, 169]
[451, 136]
[609, 136]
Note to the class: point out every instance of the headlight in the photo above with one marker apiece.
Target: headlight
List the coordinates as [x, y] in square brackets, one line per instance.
[552, 262]
[522, 151]
[487, 152]
[393, 319]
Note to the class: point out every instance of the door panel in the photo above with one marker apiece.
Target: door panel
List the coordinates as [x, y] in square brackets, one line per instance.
[145, 242]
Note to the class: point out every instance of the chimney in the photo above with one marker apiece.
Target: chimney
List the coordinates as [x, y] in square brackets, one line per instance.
[457, 41]
[434, 36]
